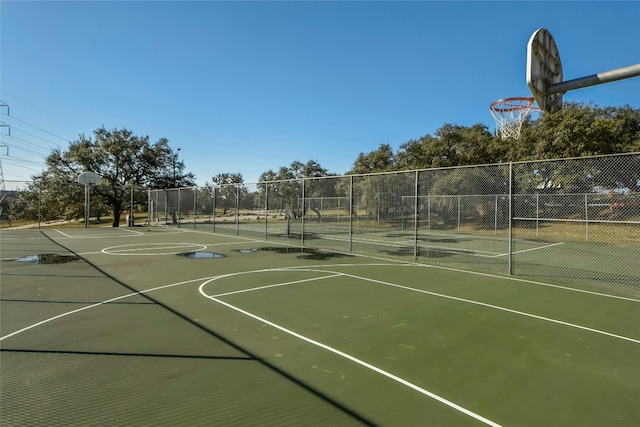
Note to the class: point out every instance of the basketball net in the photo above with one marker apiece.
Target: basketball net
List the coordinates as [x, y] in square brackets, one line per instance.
[510, 113]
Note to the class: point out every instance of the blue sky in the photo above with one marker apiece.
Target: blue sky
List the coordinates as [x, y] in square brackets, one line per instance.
[251, 86]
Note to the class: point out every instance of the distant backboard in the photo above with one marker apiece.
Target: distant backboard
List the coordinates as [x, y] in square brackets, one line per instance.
[543, 70]
[89, 178]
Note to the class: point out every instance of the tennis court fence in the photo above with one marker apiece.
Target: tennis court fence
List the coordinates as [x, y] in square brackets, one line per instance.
[570, 220]
[575, 220]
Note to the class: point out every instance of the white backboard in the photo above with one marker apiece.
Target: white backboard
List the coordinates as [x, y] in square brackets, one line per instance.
[544, 69]
[89, 178]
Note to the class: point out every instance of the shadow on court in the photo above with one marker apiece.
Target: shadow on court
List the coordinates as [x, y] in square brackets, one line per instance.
[112, 359]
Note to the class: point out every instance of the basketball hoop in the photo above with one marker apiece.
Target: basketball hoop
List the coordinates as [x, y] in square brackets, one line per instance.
[510, 113]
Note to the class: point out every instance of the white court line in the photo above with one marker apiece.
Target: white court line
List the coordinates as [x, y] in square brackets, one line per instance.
[399, 262]
[496, 307]
[303, 268]
[531, 282]
[139, 233]
[365, 364]
[4, 238]
[68, 313]
[223, 244]
[357, 361]
[259, 288]
[395, 285]
[192, 247]
[157, 288]
[151, 247]
[465, 251]
[99, 236]
[530, 249]
[362, 363]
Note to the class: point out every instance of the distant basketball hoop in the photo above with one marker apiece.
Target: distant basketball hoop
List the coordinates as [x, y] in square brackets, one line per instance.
[89, 180]
[510, 113]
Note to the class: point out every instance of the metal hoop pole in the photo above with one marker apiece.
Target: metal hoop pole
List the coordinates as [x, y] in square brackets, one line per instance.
[596, 79]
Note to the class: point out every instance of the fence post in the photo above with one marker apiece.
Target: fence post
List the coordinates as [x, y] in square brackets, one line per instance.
[39, 203]
[510, 217]
[195, 206]
[415, 217]
[237, 210]
[179, 206]
[303, 215]
[458, 213]
[586, 216]
[351, 213]
[166, 202]
[131, 220]
[149, 206]
[537, 214]
[213, 220]
[87, 206]
[495, 217]
[266, 211]
[429, 209]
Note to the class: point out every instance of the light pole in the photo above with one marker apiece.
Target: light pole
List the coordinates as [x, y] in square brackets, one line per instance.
[175, 162]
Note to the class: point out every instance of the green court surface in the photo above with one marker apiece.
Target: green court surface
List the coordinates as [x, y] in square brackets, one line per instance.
[146, 328]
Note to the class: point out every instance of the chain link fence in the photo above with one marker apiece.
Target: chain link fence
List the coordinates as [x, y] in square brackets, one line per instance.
[29, 204]
[569, 221]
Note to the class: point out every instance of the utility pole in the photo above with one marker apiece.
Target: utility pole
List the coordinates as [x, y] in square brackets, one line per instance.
[174, 219]
[3, 189]
[2, 147]
[175, 161]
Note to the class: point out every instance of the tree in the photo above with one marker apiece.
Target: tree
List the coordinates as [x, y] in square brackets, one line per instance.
[468, 192]
[296, 170]
[579, 130]
[383, 196]
[452, 145]
[50, 195]
[286, 184]
[230, 187]
[380, 160]
[123, 160]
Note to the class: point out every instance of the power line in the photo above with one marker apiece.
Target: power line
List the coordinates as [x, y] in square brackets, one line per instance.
[21, 147]
[39, 108]
[47, 151]
[35, 136]
[3, 145]
[39, 128]
[43, 149]
[3, 124]
[14, 161]
[32, 162]
[19, 163]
